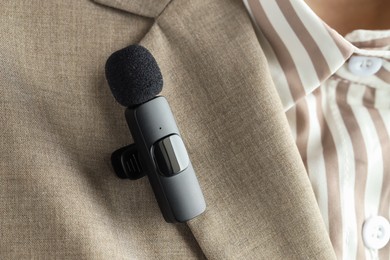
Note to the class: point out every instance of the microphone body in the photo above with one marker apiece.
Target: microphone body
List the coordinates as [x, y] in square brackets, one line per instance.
[165, 160]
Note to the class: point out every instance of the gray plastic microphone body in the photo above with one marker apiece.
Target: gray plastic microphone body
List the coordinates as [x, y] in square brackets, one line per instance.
[165, 160]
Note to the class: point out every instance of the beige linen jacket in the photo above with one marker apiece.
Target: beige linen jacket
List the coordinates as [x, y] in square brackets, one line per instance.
[59, 197]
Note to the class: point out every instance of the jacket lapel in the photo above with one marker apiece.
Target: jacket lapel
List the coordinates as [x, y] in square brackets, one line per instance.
[260, 204]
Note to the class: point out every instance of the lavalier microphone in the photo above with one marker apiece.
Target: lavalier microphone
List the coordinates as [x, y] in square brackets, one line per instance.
[158, 150]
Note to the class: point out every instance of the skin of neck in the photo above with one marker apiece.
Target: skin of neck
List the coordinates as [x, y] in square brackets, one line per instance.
[347, 15]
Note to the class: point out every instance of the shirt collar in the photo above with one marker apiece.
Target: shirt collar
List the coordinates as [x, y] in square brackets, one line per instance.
[302, 50]
[371, 43]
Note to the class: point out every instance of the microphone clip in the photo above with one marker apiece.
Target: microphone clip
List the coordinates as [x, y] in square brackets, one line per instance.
[126, 163]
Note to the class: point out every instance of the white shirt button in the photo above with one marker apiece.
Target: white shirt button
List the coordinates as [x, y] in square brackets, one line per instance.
[376, 232]
[364, 66]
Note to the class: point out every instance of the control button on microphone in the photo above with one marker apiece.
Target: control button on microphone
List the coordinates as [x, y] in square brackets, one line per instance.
[170, 155]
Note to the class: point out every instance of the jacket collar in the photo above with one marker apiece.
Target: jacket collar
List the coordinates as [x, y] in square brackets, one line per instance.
[147, 8]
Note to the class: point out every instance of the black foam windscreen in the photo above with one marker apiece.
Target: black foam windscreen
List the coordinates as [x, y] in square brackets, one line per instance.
[133, 75]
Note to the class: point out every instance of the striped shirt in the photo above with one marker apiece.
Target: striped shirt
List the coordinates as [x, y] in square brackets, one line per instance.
[336, 94]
